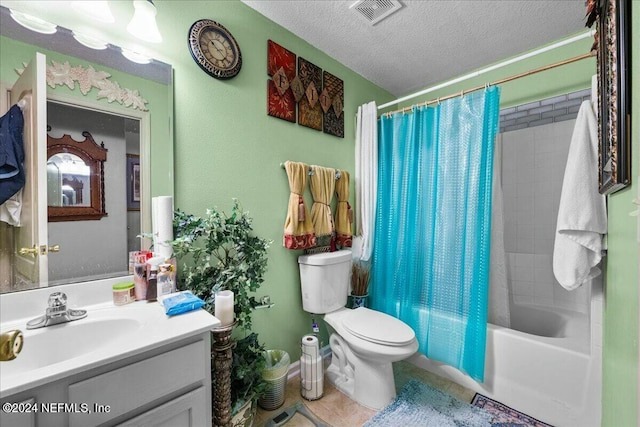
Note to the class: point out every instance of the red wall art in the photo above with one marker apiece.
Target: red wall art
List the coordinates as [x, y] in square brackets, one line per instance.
[281, 66]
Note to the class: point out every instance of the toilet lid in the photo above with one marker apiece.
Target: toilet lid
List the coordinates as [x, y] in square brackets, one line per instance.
[377, 327]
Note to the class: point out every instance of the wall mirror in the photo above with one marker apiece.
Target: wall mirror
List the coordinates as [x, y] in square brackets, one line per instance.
[75, 178]
[87, 248]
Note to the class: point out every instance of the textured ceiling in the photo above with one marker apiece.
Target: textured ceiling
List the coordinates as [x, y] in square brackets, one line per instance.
[426, 42]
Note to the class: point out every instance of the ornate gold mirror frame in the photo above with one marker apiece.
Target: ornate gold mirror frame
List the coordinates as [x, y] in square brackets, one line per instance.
[614, 78]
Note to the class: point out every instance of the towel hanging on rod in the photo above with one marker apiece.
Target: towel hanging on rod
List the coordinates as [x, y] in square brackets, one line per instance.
[322, 184]
[298, 228]
[344, 212]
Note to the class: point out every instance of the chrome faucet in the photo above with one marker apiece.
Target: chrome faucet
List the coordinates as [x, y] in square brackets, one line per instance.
[57, 312]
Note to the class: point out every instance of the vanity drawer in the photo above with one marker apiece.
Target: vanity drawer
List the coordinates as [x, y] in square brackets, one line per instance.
[188, 410]
[138, 384]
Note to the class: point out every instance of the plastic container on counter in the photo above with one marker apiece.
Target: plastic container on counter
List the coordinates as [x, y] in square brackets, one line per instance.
[123, 293]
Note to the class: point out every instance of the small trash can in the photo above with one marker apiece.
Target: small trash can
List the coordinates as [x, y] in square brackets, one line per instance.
[275, 374]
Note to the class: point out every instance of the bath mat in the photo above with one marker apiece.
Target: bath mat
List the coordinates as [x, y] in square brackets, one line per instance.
[421, 405]
[504, 416]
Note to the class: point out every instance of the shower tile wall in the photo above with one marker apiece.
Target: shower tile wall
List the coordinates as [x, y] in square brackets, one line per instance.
[533, 166]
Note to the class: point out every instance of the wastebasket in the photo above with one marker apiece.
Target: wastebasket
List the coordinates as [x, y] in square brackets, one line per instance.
[275, 374]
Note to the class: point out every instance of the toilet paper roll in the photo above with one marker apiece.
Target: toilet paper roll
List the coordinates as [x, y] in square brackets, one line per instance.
[312, 391]
[162, 216]
[310, 342]
[311, 377]
[311, 368]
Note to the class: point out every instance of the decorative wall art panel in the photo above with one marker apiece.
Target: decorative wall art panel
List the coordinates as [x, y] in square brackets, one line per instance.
[282, 106]
[281, 65]
[279, 57]
[332, 101]
[310, 110]
[319, 96]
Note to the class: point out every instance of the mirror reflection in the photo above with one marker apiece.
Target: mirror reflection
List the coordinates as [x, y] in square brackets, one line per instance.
[103, 240]
[68, 181]
[76, 246]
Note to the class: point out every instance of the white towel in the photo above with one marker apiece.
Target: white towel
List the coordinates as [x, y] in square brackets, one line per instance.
[11, 209]
[582, 217]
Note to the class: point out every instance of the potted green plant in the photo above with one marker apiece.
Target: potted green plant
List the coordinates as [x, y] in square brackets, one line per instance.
[220, 252]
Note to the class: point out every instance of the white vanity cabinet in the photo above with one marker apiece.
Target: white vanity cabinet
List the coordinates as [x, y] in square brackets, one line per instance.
[167, 386]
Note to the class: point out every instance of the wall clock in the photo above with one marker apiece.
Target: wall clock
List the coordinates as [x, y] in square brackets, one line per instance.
[214, 49]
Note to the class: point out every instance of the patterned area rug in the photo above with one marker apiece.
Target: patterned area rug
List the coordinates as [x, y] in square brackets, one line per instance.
[418, 404]
[504, 416]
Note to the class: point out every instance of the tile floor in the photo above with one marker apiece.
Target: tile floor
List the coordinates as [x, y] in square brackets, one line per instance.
[337, 410]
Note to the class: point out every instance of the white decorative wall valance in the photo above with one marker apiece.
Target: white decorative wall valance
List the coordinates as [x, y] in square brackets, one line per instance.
[87, 78]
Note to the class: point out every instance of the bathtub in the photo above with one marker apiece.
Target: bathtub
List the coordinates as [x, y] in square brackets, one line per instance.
[545, 366]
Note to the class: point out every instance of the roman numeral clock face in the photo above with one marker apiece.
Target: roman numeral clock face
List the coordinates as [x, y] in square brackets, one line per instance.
[214, 49]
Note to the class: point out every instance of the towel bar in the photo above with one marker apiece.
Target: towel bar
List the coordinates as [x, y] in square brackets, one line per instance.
[338, 174]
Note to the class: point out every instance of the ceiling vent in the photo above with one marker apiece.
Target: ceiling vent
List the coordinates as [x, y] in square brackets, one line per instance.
[375, 11]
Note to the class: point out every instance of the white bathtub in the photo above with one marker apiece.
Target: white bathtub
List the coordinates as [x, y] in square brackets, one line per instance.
[548, 373]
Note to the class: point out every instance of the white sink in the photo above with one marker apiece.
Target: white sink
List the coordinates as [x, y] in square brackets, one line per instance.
[108, 334]
[48, 346]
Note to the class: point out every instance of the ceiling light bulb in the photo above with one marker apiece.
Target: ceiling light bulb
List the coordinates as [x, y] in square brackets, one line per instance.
[96, 9]
[32, 23]
[89, 41]
[143, 24]
[135, 57]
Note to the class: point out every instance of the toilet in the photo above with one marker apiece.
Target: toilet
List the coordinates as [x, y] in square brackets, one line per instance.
[363, 342]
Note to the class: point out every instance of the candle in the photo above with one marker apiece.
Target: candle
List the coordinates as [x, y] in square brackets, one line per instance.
[224, 307]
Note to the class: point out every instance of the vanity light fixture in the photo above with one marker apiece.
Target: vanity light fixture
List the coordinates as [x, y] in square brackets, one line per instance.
[96, 9]
[143, 24]
[32, 23]
[90, 42]
[135, 57]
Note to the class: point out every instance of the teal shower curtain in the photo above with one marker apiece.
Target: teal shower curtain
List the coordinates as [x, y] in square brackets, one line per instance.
[433, 225]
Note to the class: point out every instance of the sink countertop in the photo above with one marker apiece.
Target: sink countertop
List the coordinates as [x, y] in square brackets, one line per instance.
[136, 328]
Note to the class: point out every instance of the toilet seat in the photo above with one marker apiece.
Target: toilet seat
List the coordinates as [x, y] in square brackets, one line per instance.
[376, 327]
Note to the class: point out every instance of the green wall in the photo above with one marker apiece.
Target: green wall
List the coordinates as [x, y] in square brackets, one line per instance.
[620, 339]
[227, 146]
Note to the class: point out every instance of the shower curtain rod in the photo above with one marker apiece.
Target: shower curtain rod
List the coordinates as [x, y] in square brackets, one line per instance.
[497, 82]
[519, 58]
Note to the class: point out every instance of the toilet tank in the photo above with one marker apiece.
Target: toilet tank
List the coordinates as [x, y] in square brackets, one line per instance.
[324, 279]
